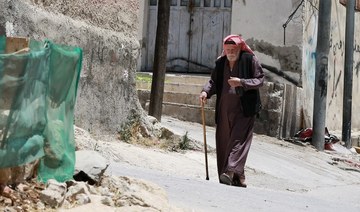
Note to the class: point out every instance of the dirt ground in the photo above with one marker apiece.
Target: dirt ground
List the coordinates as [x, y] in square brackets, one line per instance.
[273, 165]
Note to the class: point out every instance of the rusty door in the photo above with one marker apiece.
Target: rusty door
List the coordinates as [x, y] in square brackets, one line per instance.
[195, 34]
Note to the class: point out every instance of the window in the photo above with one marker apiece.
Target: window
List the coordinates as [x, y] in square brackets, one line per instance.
[217, 3]
[207, 3]
[153, 2]
[196, 3]
[184, 2]
[228, 3]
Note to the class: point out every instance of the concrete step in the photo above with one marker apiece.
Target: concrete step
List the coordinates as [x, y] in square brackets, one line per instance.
[185, 112]
[173, 87]
[179, 98]
[176, 78]
[280, 117]
[183, 106]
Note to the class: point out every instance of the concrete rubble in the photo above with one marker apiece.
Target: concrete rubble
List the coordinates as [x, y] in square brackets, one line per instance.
[124, 192]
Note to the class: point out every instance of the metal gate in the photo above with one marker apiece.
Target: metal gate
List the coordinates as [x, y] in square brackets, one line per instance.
[196, 30]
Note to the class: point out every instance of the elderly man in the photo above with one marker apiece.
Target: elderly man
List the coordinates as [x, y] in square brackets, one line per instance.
[235, 81]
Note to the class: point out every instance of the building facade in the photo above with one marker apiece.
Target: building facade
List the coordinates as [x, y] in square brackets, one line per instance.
[284, 38]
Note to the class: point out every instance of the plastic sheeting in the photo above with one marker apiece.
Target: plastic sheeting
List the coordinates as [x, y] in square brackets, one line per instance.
[37, 98]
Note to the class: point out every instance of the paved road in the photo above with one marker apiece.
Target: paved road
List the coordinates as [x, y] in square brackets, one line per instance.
[314, 184]
[201, 195]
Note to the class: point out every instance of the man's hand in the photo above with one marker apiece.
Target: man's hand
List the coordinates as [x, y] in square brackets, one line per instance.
[234, 82]
[203, 97]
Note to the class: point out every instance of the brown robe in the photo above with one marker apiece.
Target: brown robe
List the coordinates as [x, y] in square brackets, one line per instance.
[234, 131]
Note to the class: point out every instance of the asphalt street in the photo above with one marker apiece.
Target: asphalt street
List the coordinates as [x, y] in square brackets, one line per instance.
[284, 177]
[202, 195]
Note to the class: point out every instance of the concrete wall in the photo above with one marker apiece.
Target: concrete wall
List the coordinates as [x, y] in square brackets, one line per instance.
[106, 31]
[261, 24]
[336, 65]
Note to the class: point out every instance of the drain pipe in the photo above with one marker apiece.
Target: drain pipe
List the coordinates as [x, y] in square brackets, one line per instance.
[348, 72]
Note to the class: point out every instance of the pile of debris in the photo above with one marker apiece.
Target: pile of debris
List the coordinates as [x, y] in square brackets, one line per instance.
[90, 186]
[22, 197]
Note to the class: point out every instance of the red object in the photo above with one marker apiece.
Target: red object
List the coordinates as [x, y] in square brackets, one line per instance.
[357, 4]
[305, 134]
[329, 146]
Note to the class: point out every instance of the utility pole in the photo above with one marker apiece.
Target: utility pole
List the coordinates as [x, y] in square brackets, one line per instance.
[321, 75]
[159, 67]
[348, 72]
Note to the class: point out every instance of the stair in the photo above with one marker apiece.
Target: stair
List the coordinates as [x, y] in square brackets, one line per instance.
[280, 117]
[181, 96]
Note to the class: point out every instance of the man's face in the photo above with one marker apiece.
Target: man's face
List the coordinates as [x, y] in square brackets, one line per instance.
[232, 52]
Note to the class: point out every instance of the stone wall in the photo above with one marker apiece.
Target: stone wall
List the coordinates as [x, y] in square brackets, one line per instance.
[280, 116]
[106, 31]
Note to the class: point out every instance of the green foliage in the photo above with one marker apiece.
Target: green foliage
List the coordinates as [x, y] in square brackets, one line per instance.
[185, 142]
[143, 78]
[125, 134]
[129, 129]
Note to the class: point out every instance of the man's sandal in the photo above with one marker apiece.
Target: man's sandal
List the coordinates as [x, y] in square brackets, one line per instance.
[225, 179]
[239, 183]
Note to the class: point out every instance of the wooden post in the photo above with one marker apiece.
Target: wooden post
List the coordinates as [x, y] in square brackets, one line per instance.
[16, 44]
[159, 67]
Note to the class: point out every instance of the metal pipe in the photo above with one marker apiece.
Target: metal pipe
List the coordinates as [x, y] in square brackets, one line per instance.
[321, 75]
[348, 72]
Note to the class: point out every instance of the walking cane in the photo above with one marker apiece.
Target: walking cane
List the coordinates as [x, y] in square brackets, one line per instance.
[205, 146]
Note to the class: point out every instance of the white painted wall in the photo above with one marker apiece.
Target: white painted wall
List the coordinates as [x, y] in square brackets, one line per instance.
[309, 59]
[264, 19]
[261, 24]
[335, 68]
[143, 16]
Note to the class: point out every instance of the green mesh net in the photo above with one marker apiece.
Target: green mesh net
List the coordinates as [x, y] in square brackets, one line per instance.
[37, 98]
